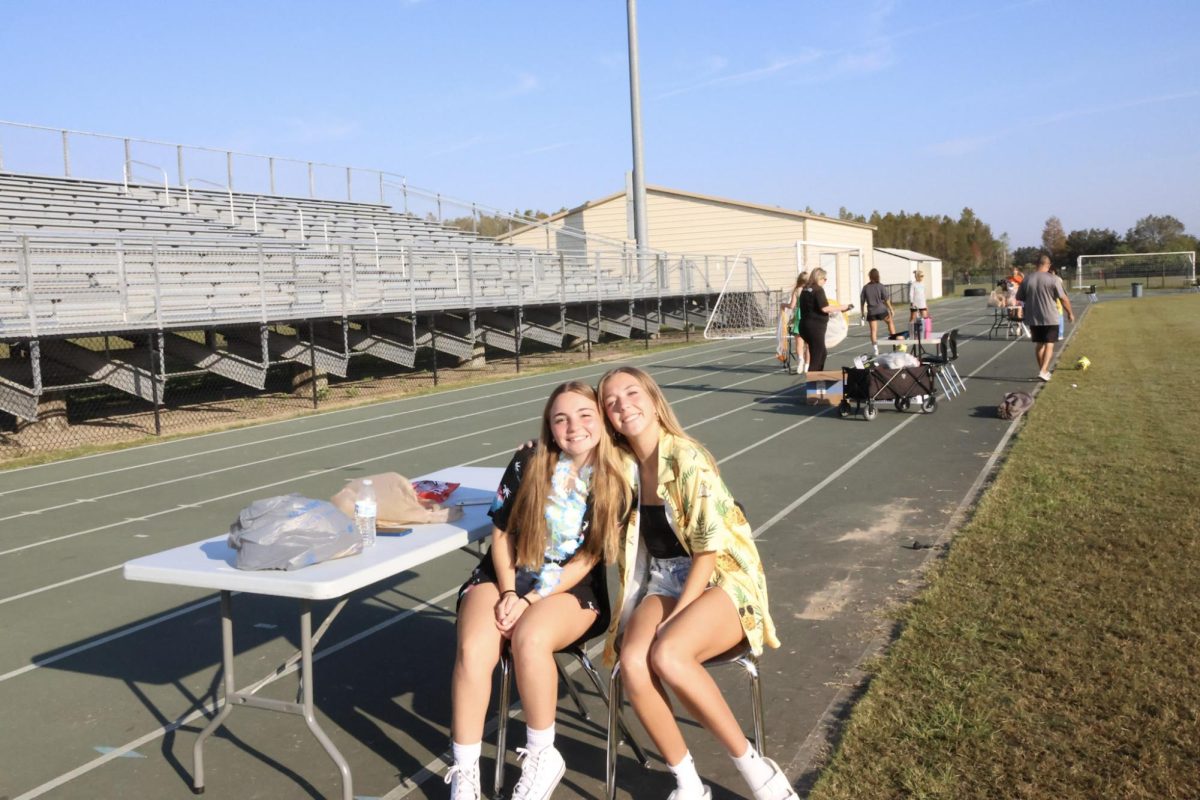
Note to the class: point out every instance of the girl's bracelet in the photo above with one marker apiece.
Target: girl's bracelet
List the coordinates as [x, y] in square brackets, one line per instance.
[527, 600]
[508, 591]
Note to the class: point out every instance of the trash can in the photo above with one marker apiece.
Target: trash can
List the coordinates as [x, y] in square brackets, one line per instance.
[1136, 288]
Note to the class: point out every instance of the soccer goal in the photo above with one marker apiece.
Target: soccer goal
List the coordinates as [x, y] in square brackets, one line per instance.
[1118, 270]
[746, 308]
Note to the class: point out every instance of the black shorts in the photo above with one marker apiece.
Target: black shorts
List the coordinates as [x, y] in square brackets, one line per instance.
[591, 592]
[877, 317]
[1043, 334]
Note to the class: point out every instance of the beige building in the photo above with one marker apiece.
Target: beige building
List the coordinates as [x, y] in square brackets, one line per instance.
[897, 266]
[780, 242]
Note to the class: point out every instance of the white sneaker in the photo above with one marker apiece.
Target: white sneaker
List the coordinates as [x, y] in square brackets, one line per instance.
[1044, 377]
[540, 773]
[875, 349]
[464, 782]
[776, 787]
[705, 795]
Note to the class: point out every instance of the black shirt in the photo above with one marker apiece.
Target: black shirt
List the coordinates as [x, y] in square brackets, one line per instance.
[812, 303]
[656, 532]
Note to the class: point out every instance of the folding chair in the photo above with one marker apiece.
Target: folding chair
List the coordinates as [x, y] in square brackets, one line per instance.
[578, 651]
[947, 374]
[741, 656]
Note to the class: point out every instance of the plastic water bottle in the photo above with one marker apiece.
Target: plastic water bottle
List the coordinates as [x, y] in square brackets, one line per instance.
[365, 509]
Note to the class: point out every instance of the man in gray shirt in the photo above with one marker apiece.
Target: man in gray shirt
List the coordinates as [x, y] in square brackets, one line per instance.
[1040, 293]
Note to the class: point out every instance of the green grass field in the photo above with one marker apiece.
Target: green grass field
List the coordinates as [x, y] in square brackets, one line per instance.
[1056, 651]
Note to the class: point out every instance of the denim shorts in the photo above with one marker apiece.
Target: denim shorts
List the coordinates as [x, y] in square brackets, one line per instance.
[667, 576]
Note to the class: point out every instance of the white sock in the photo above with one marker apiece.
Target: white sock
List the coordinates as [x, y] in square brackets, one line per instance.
[466, 754]
[754, 769]
[538, 740]
[687, 780]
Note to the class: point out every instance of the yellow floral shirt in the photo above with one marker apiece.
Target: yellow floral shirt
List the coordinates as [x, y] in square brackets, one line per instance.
[705, 519]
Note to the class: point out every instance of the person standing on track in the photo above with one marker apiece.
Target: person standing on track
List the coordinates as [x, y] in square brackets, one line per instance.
[557, 518]
[1038, 293]
[877, 306]
[918, 307]
[814, 317]
[692, 587]
[794, 324]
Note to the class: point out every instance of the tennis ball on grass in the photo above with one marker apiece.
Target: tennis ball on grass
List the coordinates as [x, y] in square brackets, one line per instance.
[1083, 362]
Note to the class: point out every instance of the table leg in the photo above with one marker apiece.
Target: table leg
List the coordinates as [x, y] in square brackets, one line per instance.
[306, 679]
[230, 691]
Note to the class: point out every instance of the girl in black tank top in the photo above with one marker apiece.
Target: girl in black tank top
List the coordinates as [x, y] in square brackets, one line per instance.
[661, 541]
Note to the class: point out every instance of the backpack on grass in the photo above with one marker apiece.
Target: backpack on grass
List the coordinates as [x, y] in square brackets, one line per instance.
[1014, 405]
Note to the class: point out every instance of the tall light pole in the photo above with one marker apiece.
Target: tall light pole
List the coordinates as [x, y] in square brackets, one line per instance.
[635, 113]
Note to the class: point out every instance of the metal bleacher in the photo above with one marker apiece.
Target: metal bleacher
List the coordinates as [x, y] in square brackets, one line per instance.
[85, 257]
[168, 267]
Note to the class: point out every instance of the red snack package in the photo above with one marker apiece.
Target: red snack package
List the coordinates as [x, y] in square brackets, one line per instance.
[437, 491]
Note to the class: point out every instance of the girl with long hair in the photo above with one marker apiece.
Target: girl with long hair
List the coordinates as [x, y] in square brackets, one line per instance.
[692, 586]
[794, 324]
[815, 309]
[556, 516]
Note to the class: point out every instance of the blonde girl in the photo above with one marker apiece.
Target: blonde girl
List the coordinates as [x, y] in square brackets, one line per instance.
[692, 586]
[556, 522]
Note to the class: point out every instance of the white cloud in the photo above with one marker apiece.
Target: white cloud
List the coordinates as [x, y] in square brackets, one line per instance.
[963, 145]
[779, 66]
[456, 147]
[306, 131]
[543, 149]
[525, 84]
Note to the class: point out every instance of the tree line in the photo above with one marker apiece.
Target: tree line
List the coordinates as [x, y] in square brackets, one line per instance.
[1150, 234]
[966, 245]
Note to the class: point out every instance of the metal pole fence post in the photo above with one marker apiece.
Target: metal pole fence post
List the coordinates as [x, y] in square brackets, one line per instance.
[349, 187]
[312, 361]
[128, 163]
[179, 164]
[433, 343]
[229, 173]
[312, 185]
[66, 148]
[154, 385]
[519, 317]
[645, 322]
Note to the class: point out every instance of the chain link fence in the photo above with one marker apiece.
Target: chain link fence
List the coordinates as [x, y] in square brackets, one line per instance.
[76, 413]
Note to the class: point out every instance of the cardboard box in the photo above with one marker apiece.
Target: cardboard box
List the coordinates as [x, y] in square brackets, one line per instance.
[823, 387]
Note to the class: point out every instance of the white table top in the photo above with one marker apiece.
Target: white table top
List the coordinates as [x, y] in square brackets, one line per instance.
[210, 564]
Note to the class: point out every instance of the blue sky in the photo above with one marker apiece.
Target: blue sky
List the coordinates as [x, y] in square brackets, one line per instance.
[1088, 110]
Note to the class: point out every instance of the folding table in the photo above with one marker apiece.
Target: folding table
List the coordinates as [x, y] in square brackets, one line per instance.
[210, 565]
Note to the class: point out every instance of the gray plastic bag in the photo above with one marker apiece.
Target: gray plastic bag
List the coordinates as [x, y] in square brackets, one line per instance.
[290, 532]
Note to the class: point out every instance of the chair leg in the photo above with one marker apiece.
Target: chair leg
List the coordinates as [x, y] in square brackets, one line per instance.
[571, 690]
[750, 663]
[962, 385]
[627, 735]
[610, 746]
[502, 722]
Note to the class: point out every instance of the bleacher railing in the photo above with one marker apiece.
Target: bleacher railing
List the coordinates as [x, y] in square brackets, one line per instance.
[43, 150]
[62, 285]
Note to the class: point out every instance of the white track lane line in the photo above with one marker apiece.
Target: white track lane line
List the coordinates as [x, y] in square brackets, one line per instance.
[294, 419]
[208, 709]
[198, 503]
[247, 464]
[368, 420]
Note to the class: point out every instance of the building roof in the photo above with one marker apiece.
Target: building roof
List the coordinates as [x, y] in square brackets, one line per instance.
[691, 196]
[911, 255]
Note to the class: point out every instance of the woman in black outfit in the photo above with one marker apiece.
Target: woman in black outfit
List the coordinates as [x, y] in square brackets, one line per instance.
[814, 318]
